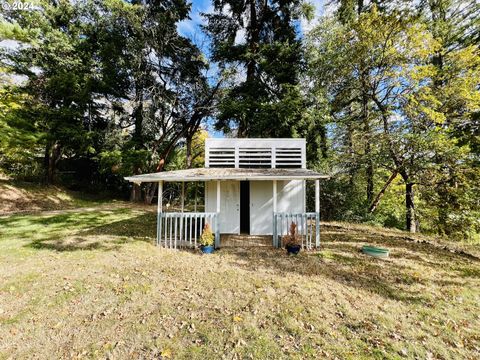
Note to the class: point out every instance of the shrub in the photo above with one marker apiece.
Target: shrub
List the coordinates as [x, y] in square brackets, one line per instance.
[292, 238]
[207, 238]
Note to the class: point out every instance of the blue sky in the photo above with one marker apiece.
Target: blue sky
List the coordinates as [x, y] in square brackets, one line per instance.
[191, 29]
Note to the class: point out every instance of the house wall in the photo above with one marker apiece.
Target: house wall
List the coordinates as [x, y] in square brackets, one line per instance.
[290, 198]
[255, 153]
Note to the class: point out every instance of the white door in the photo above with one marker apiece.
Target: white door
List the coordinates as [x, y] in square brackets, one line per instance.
[261, 207]
[229, 218]
[230, 207]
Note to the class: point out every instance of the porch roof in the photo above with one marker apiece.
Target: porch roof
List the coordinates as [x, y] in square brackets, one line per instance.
[205, 174]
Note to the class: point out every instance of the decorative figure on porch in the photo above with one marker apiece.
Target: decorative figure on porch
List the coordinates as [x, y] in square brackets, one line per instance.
[207, 240]
[292, 241]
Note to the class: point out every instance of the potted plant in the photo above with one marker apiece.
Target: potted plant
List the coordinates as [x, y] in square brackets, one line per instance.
[292, 241]
[207, 240]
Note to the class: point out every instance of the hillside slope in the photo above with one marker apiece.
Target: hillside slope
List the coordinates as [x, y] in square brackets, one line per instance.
[19, 197]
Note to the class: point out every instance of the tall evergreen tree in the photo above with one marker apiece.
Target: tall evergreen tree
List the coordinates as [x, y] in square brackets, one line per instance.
[258, 41]
[59, 68]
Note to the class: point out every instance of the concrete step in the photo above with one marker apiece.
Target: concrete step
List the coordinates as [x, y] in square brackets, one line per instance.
[235, 240]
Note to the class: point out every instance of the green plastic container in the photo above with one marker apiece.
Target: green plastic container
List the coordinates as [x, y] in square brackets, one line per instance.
[377, 252]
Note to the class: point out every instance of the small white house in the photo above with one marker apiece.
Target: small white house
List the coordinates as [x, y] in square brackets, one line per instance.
[252, 187]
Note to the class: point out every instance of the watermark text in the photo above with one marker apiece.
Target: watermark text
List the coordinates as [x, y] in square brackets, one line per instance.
[17, 5]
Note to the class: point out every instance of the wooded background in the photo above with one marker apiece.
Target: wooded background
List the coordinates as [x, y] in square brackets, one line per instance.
[385, 92]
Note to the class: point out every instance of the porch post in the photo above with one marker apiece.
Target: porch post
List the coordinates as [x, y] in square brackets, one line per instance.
[317, 213]
[217, 227]
[183, 195]
[274, 230]
[195, 203]
[181, 230]
[159, 212]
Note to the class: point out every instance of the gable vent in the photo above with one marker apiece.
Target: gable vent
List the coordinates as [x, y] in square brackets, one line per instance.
[221, 157]
[288, 157]
[255, 153]
[254, 157]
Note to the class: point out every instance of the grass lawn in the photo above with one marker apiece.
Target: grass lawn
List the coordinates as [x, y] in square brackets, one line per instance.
[91, 284]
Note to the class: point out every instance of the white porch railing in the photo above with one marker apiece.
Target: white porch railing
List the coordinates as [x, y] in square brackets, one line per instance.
[181, 230]
[308, 228]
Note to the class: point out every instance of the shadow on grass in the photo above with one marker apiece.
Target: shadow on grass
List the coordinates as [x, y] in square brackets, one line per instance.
[400, 278]
[94, 231]
[141, 227]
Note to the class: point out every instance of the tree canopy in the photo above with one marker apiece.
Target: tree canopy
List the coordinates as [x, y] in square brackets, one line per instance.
[386, 94]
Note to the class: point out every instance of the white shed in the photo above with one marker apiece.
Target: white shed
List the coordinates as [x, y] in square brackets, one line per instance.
[252, 187]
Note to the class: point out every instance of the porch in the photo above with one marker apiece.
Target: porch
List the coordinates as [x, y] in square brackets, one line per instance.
[178, 230]
[275, 199]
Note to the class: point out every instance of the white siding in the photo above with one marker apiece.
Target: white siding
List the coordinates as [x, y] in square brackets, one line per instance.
[291, 196]
[229, 218]
[261, 207]
[256, 153]
[290, 199]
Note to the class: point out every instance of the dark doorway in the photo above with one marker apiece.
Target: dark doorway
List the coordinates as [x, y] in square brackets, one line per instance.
[245, 207]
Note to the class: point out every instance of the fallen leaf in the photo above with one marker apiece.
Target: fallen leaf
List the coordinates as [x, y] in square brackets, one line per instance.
[166, 353]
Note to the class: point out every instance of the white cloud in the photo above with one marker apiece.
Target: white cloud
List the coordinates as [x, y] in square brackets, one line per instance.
[190, 27]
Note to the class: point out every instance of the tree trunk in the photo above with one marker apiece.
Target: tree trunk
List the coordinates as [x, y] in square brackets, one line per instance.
[136, 193]
[137, 137]
[410, 207]
[254, 37]
[352, 170]
[138, 116]
[369, 171]
[46, 162]
[374, 204]
[51, 158]
[150, 192]
[188, 156]
[323, 141]
[151, 188]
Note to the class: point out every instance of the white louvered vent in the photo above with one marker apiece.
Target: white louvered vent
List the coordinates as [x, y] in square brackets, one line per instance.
[255, 157]
[255, 153]
[288, 158]
[222, 157]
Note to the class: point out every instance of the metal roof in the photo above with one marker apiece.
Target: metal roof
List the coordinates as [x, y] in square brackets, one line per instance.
[205, 174]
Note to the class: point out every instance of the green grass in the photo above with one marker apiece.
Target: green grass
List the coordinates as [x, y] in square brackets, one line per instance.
[92, 284]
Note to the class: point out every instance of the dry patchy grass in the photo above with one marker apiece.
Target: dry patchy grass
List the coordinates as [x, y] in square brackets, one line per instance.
[23, 197]
[93, 285]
